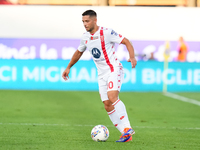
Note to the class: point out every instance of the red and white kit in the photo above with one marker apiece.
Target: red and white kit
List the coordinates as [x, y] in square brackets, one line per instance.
[101, 45]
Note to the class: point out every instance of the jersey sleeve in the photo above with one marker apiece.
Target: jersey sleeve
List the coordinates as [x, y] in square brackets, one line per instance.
[82, 47]
[114, 36]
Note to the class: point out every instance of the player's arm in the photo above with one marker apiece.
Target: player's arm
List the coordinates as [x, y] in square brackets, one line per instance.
[77, 55]
[130, 49]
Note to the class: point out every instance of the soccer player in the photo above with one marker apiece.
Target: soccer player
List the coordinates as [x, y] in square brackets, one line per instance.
[100, 42]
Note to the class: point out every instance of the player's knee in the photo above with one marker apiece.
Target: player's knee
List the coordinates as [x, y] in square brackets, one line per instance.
[113, 97]
[108, 105]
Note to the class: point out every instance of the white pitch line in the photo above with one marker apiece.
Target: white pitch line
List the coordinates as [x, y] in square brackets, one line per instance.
[182, 98]
[80, 125]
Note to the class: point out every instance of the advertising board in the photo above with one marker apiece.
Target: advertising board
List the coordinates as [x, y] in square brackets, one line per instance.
[147, 76]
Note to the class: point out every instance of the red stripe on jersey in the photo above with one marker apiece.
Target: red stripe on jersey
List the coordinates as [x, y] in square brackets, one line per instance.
[104, 50]
[122, 40]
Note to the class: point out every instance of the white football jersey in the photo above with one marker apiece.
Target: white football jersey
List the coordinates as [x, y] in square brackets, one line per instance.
[101, 45]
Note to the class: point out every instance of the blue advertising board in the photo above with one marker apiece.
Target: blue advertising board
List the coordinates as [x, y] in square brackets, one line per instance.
[147, 76]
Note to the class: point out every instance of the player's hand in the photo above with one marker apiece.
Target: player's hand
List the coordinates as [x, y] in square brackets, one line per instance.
[65, 74]
[133, 62]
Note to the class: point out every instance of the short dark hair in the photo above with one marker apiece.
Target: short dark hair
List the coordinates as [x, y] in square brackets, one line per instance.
[91, 13]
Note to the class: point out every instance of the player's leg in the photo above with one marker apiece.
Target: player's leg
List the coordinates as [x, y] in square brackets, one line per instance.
[122, 114]
[120, 107]
[114, 86]
[112, 113]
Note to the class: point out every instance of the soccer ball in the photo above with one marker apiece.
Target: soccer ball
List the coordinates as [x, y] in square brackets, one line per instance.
[100, 133]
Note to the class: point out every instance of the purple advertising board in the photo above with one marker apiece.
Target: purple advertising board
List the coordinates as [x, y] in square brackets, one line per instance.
[52, 49]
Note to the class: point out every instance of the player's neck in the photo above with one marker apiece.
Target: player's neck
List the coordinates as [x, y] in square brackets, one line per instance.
[96, 28]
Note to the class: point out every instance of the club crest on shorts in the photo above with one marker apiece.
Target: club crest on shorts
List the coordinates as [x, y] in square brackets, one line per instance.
[96, 53]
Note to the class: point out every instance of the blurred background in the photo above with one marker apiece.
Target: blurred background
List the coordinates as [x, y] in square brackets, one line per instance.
[39, 37]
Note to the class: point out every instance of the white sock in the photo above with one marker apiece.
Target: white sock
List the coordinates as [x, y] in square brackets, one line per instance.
[114, 117]
[121, 110]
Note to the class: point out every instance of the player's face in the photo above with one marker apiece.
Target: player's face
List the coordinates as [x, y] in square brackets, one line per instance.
[89, 23]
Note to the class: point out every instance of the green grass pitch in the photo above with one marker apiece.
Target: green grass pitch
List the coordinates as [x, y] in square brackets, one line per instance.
[63, 120]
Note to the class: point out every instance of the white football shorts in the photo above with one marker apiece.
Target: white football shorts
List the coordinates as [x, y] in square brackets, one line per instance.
[110, 82]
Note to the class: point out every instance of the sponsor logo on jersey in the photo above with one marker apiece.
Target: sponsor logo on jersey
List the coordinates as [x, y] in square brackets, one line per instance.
[96, 53]
[102, 59]
[114, 33]
[94, 37]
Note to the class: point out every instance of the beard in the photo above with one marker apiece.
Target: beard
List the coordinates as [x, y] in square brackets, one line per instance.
[90, 29]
